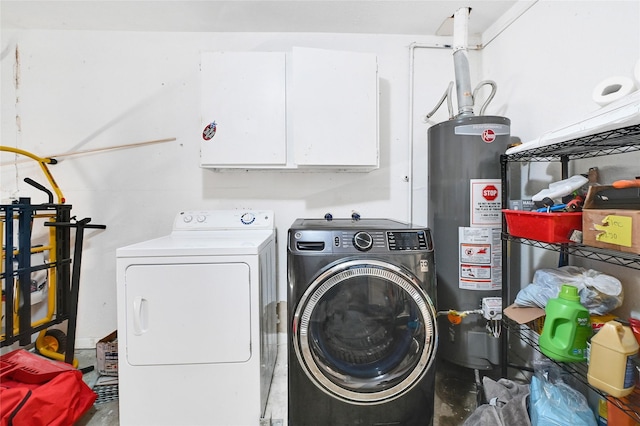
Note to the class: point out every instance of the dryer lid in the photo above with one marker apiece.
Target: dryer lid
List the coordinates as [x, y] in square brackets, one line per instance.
[210, 233]
[201, 243]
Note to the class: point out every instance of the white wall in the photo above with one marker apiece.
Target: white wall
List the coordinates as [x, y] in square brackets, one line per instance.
[86, 90]
[549, 61]
[546, 66]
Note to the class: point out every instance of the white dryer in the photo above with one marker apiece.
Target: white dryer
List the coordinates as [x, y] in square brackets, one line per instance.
[197, 321]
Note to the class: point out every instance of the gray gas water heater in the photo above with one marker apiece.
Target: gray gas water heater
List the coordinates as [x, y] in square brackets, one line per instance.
[464, 214]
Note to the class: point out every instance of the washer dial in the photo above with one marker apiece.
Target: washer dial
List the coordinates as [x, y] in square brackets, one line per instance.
[363, 241]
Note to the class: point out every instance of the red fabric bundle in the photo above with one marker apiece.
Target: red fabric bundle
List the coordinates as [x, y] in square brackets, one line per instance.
[55, 395]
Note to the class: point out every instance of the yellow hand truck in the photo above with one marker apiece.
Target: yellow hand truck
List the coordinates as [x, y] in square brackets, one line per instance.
[62, 269]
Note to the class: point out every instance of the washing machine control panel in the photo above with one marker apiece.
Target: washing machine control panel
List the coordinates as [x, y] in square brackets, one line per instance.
[355, 241]
[408, 240]
[361, 241]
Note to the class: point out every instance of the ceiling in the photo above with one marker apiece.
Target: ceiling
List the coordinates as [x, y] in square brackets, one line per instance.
[414, 17]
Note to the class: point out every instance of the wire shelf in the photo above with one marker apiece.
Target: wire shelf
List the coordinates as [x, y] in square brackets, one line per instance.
[616, 141]
[630, 405]
[629, 260]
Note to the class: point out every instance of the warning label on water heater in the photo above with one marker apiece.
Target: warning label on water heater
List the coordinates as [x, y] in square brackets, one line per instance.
[480, 258]
[486, 202]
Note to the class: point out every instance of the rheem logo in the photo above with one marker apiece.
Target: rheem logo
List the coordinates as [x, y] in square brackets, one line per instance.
[488, 136]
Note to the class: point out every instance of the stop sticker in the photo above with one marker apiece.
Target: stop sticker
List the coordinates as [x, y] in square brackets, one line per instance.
[488, 135]
[490, 192]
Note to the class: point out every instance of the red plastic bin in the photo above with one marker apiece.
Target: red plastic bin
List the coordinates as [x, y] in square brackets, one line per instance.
[546, 227]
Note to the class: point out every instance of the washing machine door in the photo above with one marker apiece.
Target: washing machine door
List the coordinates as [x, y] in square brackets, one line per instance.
[365, 332]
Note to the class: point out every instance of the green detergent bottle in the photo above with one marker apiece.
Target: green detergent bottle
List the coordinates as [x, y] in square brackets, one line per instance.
[567, 327]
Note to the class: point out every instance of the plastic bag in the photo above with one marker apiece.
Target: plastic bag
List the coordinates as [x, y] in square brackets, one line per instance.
[599, 293]
[553, 402]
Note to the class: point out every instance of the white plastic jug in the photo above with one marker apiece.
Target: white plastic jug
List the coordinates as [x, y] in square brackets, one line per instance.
[611, 367]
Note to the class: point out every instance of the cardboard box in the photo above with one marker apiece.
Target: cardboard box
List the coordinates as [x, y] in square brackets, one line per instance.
[523, 314]
[613, 229]
[107, 355]
[533, 317]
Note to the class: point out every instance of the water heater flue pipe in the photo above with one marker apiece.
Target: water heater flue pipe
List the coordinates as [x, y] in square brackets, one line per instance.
[461, 62]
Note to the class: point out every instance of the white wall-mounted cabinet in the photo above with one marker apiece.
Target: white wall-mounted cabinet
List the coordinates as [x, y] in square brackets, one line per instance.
[244, 94]
[335, 108]
[319, 113]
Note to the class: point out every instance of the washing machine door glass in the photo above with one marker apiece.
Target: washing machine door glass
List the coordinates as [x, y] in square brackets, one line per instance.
[364, 331]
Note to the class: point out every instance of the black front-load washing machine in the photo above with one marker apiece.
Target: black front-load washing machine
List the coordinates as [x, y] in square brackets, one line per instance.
[362, 329]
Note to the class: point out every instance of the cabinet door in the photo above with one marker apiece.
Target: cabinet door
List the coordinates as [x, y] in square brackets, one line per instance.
[243, 93]
[335, 108]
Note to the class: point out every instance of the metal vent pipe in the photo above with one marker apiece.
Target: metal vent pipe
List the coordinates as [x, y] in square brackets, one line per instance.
[461, 62]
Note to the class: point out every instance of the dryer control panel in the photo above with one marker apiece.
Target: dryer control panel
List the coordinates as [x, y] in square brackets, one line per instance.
[216, 220]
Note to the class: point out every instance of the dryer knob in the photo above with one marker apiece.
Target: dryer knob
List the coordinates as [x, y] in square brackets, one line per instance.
[363, 241]
[247, 218]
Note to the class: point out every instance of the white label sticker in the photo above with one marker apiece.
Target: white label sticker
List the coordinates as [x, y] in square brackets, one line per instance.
[486, 202]
[479, 258]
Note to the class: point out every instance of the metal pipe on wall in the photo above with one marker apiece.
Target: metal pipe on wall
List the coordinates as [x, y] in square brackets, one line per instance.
[464, 92]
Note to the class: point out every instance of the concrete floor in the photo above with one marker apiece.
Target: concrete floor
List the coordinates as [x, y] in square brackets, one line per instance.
[101, 414]
[455, 397]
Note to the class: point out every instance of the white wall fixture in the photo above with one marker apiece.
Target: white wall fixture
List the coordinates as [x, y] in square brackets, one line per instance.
[319, 113]
[335, 108]
[243, 109]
